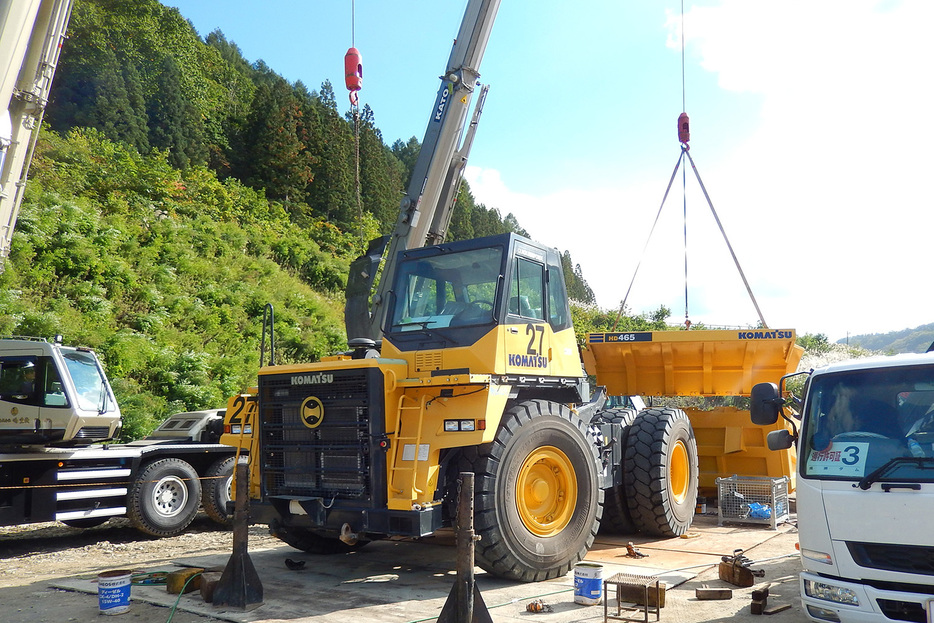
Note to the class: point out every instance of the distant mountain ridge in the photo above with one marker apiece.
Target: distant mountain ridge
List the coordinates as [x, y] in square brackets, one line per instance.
[915, 340]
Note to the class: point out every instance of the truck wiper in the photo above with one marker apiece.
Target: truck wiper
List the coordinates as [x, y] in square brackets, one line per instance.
[103, 401]
[890, 465]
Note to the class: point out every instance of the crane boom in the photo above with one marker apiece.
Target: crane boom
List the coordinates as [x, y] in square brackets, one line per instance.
[31, 34]
[425, 210]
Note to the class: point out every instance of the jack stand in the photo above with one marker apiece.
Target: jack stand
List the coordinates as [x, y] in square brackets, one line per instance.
[240, 586]
[465, 604]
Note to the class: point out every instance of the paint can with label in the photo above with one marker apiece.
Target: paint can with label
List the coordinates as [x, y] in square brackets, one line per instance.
[588, 583]
[113, 591]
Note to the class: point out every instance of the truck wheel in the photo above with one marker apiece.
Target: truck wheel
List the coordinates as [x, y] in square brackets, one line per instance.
[616, 517]
[164, 497]
[217, 490]
[312, 542]
[660, 472]
[537, 499]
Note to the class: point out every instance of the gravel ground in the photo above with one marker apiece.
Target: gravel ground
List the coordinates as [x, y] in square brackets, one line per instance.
[34, 556]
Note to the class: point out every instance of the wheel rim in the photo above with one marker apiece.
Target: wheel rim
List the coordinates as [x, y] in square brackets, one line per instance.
[679, 472]
[546, 492]
[169, 496]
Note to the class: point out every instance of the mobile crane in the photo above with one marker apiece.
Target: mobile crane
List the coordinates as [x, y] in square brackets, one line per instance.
[56, 406]
[465, 359]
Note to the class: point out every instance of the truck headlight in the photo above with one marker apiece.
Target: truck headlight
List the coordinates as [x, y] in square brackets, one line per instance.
[829, 592]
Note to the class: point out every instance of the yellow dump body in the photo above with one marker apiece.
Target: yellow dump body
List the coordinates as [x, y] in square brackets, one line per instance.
[690, 363]
[704, 363]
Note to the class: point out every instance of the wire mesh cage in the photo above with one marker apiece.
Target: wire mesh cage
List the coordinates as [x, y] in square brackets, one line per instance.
[753, 499]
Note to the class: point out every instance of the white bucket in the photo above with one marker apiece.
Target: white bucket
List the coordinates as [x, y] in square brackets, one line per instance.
[588, 583]
[113, 591]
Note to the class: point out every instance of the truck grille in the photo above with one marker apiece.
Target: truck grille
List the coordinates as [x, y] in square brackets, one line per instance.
[903, 558]
[902, 610]
[93, 432]
[331, 460]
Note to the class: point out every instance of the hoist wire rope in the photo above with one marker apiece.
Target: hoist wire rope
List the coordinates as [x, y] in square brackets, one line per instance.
[685, 152]
[684, 195]
[671, 181]
[356, 129]
[684, 177]
[727, 240]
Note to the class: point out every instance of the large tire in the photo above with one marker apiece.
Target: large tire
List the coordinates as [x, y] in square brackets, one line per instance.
[309, 541]
[616, 517]
[164, 498]
[537, 499]
[660, 472]
[217, 490]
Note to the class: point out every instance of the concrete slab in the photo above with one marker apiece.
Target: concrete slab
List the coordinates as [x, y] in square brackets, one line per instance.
[408, 580]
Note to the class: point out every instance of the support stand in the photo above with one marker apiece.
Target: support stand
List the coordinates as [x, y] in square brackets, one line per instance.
[240, 586]
[464, 603]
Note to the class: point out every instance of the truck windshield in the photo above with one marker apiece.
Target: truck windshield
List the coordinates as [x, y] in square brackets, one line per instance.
[92, 393]
[858, 421]
[449, 290]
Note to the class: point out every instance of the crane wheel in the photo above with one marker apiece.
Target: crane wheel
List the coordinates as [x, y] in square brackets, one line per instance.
[537, 499]
[616, 517]
[309, 541]
[660, 472]
[164, 498]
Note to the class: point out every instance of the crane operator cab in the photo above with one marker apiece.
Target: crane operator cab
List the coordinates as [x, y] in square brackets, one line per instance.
[495, 305]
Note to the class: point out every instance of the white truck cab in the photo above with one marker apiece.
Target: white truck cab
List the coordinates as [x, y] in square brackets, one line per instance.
[865, 487]
[53, 394]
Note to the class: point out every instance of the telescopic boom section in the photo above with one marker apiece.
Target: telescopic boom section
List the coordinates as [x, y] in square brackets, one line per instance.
[425, 211]
[31, 34]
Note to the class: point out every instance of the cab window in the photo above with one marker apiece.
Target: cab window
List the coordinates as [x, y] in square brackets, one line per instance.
[526, 294]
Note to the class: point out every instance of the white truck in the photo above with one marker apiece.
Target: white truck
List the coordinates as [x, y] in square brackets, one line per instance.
[865, 487]
[56, 406]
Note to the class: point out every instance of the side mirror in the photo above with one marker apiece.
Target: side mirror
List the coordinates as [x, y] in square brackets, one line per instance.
[780, 439]
[765, 402]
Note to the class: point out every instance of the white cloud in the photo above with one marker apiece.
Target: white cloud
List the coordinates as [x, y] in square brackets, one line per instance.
[826, 199]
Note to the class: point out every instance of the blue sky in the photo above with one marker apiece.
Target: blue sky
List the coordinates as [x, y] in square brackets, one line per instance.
[810, 125]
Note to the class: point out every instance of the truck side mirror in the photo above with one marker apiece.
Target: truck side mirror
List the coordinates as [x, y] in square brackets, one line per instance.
[780, 439]
[765, 402]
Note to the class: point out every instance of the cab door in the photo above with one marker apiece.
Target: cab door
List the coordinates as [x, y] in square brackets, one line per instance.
[528, 335]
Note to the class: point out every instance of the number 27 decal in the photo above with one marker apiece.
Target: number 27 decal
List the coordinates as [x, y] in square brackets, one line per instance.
[244, 408]
[531, 330]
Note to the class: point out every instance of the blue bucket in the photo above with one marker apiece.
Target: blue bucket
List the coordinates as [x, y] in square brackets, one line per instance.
[588, 583]
[113, 591]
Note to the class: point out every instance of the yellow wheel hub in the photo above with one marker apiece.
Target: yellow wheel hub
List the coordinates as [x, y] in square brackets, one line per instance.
[546, 491]
[679, 472]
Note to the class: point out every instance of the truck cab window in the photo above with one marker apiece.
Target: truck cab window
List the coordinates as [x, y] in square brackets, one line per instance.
[858, 421]
[91, 391]
[526, 292]
[451, 290]
[18, 379]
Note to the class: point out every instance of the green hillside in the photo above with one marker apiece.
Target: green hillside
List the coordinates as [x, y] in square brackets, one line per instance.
[916, 340]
